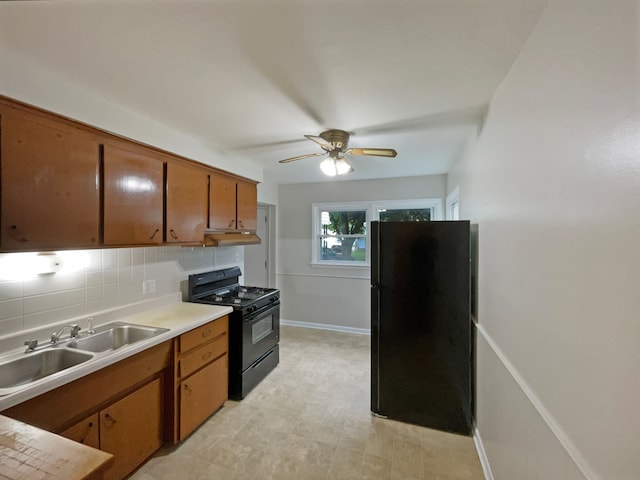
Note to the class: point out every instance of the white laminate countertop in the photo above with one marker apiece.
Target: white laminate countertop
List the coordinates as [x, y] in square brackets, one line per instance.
[178, 317]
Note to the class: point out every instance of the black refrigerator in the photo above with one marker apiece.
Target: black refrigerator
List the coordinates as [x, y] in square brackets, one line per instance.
[421, 335]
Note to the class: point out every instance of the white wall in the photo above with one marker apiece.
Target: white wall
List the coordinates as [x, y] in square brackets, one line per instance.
[554, 183]
[333, 296]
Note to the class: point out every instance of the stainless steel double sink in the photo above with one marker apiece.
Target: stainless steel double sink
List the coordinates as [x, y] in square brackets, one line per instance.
[17, 371]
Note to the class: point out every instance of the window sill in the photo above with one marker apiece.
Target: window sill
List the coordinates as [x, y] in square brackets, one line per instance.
[359, 266]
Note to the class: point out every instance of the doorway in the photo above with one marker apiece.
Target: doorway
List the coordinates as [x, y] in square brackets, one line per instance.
[257, 263]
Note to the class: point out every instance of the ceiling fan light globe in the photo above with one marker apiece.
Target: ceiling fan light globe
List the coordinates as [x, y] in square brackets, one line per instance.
[342, 167]
[328, 167]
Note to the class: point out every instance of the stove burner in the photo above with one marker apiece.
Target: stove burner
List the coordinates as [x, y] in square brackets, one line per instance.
[206, 288]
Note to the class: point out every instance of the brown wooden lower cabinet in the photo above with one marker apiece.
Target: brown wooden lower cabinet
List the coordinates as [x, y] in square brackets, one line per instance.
[201, 395]
[129, 408]
[119, 409]
[131, 429]
[87, 431]
[201, 375]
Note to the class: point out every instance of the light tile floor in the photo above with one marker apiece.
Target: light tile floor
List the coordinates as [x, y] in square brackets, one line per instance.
[310, 419]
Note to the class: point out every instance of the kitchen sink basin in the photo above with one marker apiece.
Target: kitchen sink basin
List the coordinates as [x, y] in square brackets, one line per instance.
[33, 366]
[114, 336]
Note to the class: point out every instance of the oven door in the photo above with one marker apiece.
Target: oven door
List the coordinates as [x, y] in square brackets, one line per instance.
[260, 333]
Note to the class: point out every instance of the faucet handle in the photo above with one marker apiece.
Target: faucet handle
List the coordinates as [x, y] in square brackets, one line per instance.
[31, 344]
[75, 329]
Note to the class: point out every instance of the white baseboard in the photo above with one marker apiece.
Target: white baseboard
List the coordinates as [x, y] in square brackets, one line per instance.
[482, 455]
[326, 326]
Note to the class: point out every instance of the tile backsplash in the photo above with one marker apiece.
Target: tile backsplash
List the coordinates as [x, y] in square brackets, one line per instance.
[112, 278]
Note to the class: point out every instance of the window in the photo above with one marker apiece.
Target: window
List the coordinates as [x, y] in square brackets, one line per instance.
[404, 215]
[341, 236]
[340, 230]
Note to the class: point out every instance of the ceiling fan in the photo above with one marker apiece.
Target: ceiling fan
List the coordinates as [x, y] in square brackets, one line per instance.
[334, 143]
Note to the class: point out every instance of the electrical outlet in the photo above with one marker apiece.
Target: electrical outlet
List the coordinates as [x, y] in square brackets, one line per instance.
[237, 257]
[148, 286]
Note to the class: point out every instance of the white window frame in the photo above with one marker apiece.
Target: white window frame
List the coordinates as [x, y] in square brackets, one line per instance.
[371, 208]
[453, 204]
[317, 232]
[433, 204]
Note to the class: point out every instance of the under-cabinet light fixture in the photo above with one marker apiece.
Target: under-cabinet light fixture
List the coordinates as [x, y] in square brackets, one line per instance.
[22, 266]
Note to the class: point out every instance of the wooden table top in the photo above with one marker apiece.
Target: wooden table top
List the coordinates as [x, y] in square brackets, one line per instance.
[29, 453]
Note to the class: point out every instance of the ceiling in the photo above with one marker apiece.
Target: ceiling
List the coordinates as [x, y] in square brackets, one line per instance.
[249, 78]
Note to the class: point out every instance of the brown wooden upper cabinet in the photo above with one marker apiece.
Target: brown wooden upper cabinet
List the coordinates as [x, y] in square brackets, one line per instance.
[233, 204]
[186, 203]
[133, 196]
[247, 201]
[49, 188]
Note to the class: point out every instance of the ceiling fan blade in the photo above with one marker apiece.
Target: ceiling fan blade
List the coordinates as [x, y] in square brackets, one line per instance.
[372, 152]
[300, 157]
[320, 141]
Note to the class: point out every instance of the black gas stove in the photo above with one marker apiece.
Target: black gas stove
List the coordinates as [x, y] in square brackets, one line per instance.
[254, 325]
[221, 287]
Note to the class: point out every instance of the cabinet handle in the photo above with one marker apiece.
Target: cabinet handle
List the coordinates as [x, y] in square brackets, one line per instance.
[88, 432]
[154, 234]
[173, 234]
[187, 388]
[17, 234]
[110, 419]
[206, 333]
[206, 355]
[240, 223]
[231, 223]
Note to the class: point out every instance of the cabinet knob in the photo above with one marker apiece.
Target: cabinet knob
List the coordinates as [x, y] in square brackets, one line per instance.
[110, 420]
[17, 234]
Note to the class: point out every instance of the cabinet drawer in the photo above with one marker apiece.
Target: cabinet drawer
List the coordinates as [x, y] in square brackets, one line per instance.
[203, 334]
[202, 394]
[203, 355]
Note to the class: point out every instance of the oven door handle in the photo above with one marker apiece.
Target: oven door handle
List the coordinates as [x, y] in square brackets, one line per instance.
[263, 310]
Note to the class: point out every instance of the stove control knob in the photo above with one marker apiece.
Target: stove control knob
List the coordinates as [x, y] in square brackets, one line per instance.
[252, 308]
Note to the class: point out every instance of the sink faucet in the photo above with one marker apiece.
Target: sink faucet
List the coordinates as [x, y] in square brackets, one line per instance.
[31, 344]
[75, 328]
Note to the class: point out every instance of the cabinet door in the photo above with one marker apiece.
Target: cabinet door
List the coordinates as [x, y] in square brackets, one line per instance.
[49, 186]
[186, 203]
[131, 429]
[202, 394]
[222, 202]
[85, 432]
[133, 197]
[247, 206]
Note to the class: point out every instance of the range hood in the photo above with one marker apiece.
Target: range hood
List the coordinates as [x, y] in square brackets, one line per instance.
[226, 239]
